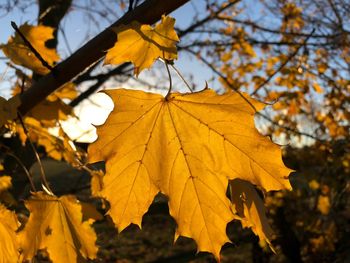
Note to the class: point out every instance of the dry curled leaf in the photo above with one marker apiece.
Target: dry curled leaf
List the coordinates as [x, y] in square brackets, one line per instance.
[250, 207]
[142, 44]
[55, 224]
[187, 146]
[16, 50]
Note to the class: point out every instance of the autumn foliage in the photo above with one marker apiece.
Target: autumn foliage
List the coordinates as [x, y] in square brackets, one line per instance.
[200, 150]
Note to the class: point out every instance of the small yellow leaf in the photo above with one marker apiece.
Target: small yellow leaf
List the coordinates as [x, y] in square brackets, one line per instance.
[142, 44]
[323, 204]
[317, 87]
[8, 109]
[20, 53]
[187, 146]
[8, 240]
[314, 185]
[322, 67]
[250, 207]
[5, 183]
[55, 224]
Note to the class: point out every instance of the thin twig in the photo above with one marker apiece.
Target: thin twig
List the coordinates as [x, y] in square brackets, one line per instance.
[290, 57]
[101, 78]
[26, 171]
[45, 183]
[35, 52]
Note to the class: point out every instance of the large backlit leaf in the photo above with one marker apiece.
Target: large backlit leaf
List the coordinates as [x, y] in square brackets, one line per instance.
[187, 146]
[142, 44]
[55, 224]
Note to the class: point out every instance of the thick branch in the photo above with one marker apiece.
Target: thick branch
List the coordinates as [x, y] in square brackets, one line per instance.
[147, 13]
[102, 78]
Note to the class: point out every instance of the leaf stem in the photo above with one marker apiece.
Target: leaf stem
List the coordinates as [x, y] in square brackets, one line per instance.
[181, 77]
[170, 80]
[28, 174]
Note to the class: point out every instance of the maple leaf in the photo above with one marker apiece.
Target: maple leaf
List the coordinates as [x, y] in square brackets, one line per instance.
[55, 224]
[8, 240]
[142, 45]
[20, 53]
[187, 146]
[250, 207]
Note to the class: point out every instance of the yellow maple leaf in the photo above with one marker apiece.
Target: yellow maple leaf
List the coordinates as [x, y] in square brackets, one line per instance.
[250, 207]
[20, 53]
[8, 240]
[187, 146]
[55, 224]
[142, 44]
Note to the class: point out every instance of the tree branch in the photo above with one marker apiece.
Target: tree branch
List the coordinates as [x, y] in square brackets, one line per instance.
[101, 78]
[148, 12]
